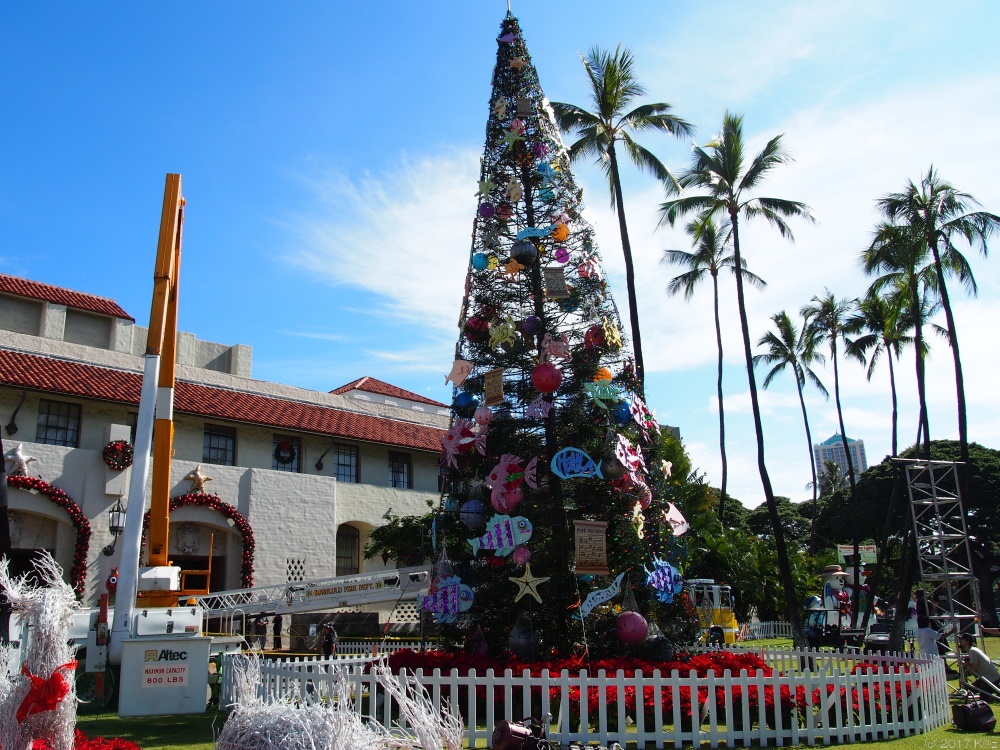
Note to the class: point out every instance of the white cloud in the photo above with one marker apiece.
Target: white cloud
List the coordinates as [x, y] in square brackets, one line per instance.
[401, 235]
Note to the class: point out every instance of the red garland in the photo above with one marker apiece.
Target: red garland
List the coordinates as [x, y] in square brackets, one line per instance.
[78, 573]
[214, 502]
[118, 454]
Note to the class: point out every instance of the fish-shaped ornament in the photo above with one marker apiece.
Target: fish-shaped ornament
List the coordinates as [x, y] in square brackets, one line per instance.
[460, 370]
[459, 439]
[596, 598]
[503, 535]
[451, 597]
[666, 579]
[570, 463]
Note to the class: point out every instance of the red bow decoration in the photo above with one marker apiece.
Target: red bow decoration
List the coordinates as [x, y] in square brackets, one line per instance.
[44, 694]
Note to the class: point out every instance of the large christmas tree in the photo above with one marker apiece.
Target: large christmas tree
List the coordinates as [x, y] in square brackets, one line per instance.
[549, 435]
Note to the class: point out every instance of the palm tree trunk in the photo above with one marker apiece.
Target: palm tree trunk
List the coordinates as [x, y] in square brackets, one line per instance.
[895, 404]
[722, 414]
[640, 370]
[855, 503]
[924, 427]
[812, 465]
[792, 608]
[963, 422]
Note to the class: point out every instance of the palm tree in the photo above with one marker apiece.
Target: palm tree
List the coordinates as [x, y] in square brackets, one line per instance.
[901, 260]
[795, 349]
[938, 213]
[827, 317]
[613, 89]
[709, 258]
[884, 321]
[720, 169]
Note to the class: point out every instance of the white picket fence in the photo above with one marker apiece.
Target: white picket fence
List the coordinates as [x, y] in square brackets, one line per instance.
[832, 705]
[759, 631]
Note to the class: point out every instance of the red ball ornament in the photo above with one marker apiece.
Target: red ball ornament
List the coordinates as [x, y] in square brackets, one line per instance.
[631, 628]
[546, 377]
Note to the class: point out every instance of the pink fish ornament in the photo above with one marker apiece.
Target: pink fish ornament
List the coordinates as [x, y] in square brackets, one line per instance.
[458, 439]
[450, 598]
[460, 370]
[503, 535]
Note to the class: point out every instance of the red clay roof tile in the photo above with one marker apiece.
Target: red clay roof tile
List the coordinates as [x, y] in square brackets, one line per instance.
[39, 373]
[47, 293]
[373, 385]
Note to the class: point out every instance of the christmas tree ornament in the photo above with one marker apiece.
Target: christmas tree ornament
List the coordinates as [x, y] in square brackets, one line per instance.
[503, 535]
[505, 502]
[561, 254]
[517, 63]
[572, 463]
[473, 513]
[521, 556]
[493, 262]
[665, 579]
[528, 584]
[555, 348]
[674, 519]
[510, 137]
[546, 173]
[487, 209]
[532, 325]
[594, 338]
[513, 191]
[476, 329]
[465, 405]
[459, 439]
[480, 262]
[546, 377]
[507, 38]
[524, 252]
[500, 109]
[561, 232]
[638, 521]
[539, 408]
[501, 333]
[485, 186]
[483, 416]
[603, 393]
[505, 211]
[611, 468]
[460, 370]
[451, 598]
[601, 596]
[622, 412]
[522, 640]
[510, 270]
[517, 125]
[631, 628]
[530, 472]
[602, 373]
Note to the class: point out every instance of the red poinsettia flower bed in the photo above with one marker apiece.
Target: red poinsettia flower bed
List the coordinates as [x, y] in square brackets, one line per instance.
[83, 742]
[701, 664]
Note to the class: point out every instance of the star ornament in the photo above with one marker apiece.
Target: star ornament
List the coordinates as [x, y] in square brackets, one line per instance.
[510, 137]
[198, 479]
[485, 186]
[528, 584]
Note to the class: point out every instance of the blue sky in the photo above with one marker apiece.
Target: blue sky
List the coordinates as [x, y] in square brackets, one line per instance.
[329, 153]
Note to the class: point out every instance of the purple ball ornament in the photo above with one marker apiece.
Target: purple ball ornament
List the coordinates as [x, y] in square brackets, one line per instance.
[473, 513]
[532, 325]
[521, 556]
[631, 628]
[562, 254]
[487, 209]
[524, 252]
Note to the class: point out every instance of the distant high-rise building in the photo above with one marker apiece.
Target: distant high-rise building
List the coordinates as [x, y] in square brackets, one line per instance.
[832, 449]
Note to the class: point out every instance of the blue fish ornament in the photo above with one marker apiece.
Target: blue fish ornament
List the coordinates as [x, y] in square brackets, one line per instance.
[451, 598]
[665, 578]
[570, 463]
[503, 535]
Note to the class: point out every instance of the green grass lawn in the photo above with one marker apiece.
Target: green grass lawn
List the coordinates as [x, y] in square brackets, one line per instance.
[197, 732]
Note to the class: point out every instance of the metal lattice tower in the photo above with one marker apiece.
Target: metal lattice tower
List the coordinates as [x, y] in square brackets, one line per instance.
[943, 545]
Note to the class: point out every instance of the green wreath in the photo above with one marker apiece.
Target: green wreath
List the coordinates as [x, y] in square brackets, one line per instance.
[118, 454]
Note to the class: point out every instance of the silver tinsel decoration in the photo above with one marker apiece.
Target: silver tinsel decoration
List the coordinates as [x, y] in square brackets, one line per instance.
[333, 724]
[50, 610]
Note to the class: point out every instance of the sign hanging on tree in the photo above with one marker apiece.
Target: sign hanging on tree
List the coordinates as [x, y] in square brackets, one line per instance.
[590, 538]
[493, 387]
[555, 283]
